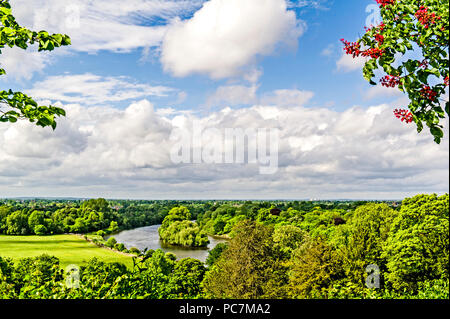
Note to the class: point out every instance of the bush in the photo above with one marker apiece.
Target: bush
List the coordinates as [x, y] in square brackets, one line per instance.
[119, 247]
[101, 233]
[111, 242]
[134, 250]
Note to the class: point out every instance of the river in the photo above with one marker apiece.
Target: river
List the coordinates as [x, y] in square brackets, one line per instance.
[148, 237]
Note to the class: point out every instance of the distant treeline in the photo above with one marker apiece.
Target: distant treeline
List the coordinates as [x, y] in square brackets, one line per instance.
[45, 216]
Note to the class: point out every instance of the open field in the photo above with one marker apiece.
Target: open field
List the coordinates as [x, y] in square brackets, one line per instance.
[70, 249]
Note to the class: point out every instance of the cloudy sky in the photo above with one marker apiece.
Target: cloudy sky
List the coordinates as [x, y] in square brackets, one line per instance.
[138, 71]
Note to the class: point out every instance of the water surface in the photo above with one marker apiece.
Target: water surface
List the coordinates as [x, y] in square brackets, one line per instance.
[148, 237]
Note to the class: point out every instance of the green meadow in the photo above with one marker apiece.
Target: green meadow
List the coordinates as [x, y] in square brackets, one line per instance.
[70, 249]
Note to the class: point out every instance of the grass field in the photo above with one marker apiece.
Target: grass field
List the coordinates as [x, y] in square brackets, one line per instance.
[70, 249]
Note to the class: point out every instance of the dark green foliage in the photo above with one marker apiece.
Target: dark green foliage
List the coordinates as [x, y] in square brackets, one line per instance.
[249, 267]
[111, 242]
[186, 278]
[215, 253]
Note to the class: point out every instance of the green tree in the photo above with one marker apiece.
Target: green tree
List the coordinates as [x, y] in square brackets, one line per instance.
[288, 238]
[215, 253]
[36, 218]
[369, 229]
[111, 242]
[316, 266]
[177, 229]
[411, 25]
[417, 248]
[186, 278]
[249, 268]
[4, 212]
[16, 105]
[17, 223]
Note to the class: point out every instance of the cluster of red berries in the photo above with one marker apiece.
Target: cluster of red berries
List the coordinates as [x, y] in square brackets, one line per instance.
[424, 64]
[374, 53]
[384, 3]
[390, 81]
[379, 38]
[446, 81]
[425, 17]
[404, 115]
[428, 93]
[353, 48]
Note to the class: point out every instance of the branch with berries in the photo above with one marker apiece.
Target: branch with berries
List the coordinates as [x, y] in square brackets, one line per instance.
[421, 27]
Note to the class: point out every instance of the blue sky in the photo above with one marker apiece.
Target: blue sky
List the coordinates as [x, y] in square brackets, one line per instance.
[139, 71]
[306, 67]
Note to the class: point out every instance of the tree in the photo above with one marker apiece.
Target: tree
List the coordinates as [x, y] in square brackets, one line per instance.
[19, 105]
[368, 229]
[215, 253]
[288, 238]
[410, 25]
[417, 248]
[177, 229]
[111, 242]
[316, 267]
[17, 223]
[186, 278]
[113, 227]
[36, 218]
[249, 267]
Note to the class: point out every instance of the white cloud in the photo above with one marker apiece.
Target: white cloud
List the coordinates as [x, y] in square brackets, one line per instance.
[225, 36]
[328, 51]
[102, 151]
[93, 89]
[379, 91]
[20, 64]
[233, 95]
[113, 25]
[287, 98]
[347, 63]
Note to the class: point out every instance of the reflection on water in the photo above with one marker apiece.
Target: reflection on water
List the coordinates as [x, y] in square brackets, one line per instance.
[148, 237]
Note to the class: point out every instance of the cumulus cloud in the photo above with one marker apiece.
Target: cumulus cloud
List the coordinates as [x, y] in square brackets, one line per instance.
[112, 25]
[347, 63]
[225, 36]
[102, 151]
[20, 64]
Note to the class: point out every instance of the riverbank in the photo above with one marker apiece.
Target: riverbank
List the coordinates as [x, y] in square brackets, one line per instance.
[148, 237]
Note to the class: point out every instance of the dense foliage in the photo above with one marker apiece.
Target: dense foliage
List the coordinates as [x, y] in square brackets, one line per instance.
[276, 250]
[421, 27]
[158, 276]
[178, 229]
[45, 217]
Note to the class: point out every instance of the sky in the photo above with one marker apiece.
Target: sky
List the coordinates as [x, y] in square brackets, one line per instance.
[139, 73]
